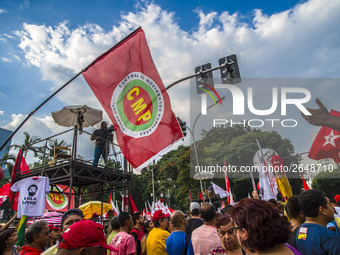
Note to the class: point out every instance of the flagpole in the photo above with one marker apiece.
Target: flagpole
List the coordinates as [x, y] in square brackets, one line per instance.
[338, 167]
[61, 88]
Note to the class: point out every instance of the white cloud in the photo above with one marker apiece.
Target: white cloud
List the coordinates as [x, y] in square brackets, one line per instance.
[300, 42]
[2, 112]
[4, 59]
[2, 11]
[44, 127]
[25, 4]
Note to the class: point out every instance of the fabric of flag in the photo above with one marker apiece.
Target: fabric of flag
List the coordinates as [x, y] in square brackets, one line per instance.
[305, 185]
[128, 86]
[23, 168]
[219, 191]
[201, 197]
[190, 196]
[21, 230]
[326, 143]
[133, 206]
[58, 199]
[227, 186]
[282, 182]
[267, 184]
[53, 218]
[4, 193]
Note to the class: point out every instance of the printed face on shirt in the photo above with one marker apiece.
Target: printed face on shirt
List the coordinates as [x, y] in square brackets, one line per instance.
[32, 190]
[228, 237]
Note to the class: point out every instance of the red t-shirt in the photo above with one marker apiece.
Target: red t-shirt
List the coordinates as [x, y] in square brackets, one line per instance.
[27, 250]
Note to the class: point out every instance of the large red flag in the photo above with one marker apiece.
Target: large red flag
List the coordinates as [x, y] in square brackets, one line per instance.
[23, 169]
[326, 143]
[128, 86]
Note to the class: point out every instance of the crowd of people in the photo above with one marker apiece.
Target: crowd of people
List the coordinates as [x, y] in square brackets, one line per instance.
[308, 224]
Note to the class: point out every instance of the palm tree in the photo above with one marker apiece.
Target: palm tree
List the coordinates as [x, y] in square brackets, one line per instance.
[55, 143]
[28, 145]
[8, 161]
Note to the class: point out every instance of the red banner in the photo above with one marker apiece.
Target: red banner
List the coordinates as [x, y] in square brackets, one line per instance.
[326, 143]
[23, 169]
[4, 193]
[56, 201]
[128, 86]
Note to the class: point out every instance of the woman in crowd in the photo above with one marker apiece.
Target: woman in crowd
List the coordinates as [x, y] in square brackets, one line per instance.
[229, 243]
[261, 228]
[8, 239]
[148, 225]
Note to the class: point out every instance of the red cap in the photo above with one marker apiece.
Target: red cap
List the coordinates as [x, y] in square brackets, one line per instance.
[85, 233]
[53, 227]
[337, 198]
[159, 215]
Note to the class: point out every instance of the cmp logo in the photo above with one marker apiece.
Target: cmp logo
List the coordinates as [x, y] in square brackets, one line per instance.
[57, 200]
[137, 104]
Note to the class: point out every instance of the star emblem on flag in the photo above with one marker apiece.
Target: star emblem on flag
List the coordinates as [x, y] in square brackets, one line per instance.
[331, 138]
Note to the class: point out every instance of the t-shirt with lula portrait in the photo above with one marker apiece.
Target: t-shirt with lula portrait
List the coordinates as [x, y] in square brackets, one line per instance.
[32, 192]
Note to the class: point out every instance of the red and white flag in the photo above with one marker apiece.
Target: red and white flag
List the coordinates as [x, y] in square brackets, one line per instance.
[326, 143]
[4, 193]
[127, 84]
[133, 206]
[23, 169]
[218, 190]
[305, 185]
[227, 186]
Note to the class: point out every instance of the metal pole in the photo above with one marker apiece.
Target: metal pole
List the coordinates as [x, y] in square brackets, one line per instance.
[153, 187]
[199, 73]
[199, 173]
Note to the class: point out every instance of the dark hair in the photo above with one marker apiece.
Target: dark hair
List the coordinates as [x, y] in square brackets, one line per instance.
[223, 220]
[146, 225]
[4, 235]
[195, 212]
[227, 209]
[293, 207]
[208, 212]
[273, 201]
[115, 222]
[311, 200]
[156, 223]
[264, 222]
[123, 217]
[35, 229]
[33, 185]
[136, 217]
[74, 211]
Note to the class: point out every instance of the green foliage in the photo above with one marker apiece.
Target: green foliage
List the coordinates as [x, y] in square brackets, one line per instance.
[233, 145]
[328, 182]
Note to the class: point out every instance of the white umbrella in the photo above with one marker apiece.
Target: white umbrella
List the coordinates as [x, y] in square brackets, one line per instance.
[204, 176]
[81, 115]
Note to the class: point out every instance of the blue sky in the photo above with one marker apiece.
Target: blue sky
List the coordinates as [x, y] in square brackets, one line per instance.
[44, 43]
